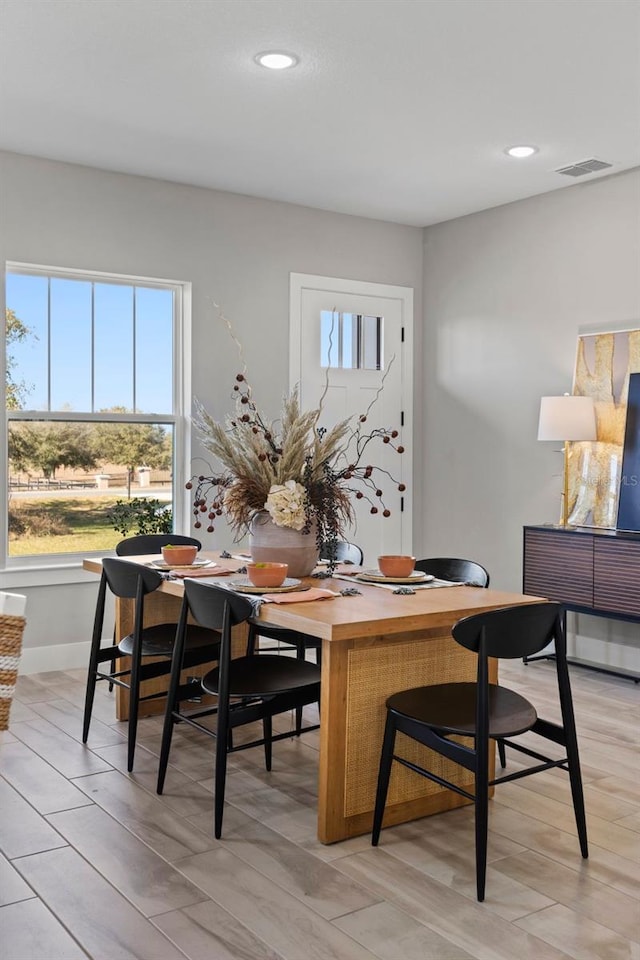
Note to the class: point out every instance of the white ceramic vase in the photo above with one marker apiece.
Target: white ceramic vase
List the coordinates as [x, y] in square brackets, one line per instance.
[283, 545]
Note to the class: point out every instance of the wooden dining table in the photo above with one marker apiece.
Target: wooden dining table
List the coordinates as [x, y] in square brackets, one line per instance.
[373, 644]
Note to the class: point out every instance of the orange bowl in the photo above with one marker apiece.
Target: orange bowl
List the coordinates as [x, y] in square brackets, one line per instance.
[396, 565]
[267, 574]
[179, 555]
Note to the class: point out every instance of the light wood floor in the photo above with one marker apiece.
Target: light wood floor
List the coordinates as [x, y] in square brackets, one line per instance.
[95, 864]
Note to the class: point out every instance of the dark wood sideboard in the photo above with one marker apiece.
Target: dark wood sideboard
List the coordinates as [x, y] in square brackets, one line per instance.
[590, 570]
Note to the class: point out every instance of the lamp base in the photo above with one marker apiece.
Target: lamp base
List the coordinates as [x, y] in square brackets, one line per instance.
[564, 521]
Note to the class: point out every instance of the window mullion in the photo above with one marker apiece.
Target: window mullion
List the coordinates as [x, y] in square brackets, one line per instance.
[133, 351]
[49, 343]
[168, 419]
[93, 348]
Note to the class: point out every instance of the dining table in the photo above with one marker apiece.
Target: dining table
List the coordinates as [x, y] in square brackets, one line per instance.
[375, 642]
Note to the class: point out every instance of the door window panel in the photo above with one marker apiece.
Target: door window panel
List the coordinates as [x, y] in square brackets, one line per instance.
[350, 341]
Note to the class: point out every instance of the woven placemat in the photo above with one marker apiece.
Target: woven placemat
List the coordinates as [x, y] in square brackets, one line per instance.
[11, 630]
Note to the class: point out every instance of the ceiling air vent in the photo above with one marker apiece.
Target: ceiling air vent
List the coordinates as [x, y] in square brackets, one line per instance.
[584, 167]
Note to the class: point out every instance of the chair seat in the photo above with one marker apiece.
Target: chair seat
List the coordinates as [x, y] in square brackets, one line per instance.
[451, 708]
[158, 640]
[264, 676]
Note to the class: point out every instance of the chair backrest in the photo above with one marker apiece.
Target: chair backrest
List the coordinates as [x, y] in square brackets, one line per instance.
[152, 543]
[458, 571]
[344, 552]
[513, 632]
[127, 581]
[125, 578]
[212, 606]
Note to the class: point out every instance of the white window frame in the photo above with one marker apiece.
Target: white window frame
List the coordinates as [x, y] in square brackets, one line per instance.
[67, 568]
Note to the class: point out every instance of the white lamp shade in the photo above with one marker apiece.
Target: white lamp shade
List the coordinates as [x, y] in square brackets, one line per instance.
[567, 418]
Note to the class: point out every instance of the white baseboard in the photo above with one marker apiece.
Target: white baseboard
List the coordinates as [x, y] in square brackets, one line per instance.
[59, 656]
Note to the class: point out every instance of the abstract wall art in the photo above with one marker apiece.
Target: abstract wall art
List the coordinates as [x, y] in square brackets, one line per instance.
[629, 499]
[604, 363]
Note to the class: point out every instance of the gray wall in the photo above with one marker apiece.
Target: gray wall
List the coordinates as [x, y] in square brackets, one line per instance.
[505, 293]
[237, 251]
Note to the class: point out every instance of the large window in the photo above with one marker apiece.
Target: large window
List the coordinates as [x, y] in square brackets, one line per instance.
[94, 389]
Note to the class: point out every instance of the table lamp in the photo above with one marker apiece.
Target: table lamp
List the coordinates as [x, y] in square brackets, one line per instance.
[566, 418]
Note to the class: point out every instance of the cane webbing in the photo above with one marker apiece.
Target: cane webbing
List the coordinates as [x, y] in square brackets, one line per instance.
[375, 675]
[11, 630]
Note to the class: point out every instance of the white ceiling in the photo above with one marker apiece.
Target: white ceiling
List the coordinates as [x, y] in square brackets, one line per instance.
[398, 110]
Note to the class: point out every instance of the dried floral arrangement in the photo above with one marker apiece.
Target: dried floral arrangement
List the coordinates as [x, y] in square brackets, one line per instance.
[292, 468]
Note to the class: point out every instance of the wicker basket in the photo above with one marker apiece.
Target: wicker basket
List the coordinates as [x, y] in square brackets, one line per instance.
[11, 630]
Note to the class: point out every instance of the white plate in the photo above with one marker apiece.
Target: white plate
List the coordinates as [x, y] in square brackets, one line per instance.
[161, 565]
[245, 586]
[374, 576]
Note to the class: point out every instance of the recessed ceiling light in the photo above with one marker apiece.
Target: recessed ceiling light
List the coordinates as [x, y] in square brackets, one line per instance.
[276, 60]
[521, 151]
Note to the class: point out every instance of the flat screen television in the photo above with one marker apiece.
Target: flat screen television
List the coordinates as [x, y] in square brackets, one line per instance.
[629, 499]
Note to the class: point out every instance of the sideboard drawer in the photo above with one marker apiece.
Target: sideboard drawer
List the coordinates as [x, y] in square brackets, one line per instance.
[589, 570]
[559, 567]
[617, 577]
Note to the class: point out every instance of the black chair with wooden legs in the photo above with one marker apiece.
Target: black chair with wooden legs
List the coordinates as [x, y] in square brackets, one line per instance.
[133, 581]
[248, 688]
[343, 552]
[484, 711]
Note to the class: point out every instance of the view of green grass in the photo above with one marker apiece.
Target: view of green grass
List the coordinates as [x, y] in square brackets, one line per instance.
[83, 520]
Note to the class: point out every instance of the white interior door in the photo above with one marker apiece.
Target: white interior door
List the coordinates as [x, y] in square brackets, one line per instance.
[351, 341]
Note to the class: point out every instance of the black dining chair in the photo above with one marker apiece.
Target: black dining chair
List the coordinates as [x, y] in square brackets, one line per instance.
[133, 581]
[483, 711]
[247, 688]
[340, 551]
[455, 570]
[145, 543]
